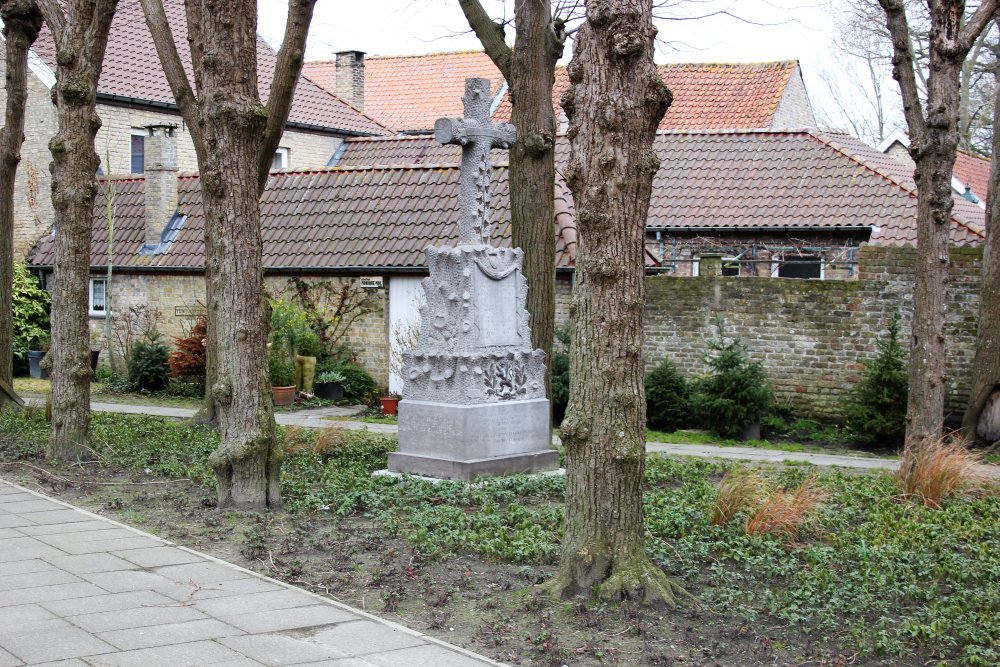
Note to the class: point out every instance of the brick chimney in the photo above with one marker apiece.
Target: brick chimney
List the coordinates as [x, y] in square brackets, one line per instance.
[160, 164]
[351, 78]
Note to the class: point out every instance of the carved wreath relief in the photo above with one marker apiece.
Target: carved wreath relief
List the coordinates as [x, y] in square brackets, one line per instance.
[505, 379]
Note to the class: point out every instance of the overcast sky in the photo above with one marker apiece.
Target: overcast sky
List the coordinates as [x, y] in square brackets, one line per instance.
[714, 30]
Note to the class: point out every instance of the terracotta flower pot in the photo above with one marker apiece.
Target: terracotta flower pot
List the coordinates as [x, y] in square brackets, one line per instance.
[390, 405]
[283, 395]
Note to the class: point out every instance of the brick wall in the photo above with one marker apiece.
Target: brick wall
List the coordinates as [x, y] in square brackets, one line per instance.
[811, 335]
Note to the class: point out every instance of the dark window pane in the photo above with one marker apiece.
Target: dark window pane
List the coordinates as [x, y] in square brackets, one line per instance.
[138, 153]
[805, 266]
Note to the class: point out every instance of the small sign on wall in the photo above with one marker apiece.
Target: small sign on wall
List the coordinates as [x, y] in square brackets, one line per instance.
[371, 282]
[190, 311]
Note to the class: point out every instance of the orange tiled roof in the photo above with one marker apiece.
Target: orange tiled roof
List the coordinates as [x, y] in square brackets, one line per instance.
[973, 171]
[409, 93]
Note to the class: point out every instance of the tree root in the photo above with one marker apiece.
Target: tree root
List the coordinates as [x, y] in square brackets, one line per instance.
[639, 582]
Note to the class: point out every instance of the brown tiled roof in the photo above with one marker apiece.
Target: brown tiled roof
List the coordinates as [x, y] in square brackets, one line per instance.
[132, 70]
[409, 93]
[325, 219]
[709, 96]
[973, 171]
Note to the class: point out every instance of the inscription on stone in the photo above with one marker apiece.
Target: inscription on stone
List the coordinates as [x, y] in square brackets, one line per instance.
[497, 309]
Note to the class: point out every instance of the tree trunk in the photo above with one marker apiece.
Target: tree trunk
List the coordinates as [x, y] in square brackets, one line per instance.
[247, 463]
[986, 364]
[81, 39]
[22, 21]
[614, 105]
[537, 48]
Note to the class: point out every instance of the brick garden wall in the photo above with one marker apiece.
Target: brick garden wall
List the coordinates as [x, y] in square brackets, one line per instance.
[811, 335]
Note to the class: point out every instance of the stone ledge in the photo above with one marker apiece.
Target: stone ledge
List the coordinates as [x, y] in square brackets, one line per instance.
[437, 468]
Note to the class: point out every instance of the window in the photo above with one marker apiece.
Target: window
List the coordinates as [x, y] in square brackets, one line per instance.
[98, 297]
[730, 267]
[799, 266]
[280, 159]
[138, 151]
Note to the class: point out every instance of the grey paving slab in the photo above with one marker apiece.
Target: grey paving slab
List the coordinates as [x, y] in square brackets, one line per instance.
[29, 505]
[423, 656]
[72, 546]
[236, 605]
[26, 548]
[92, 562]
[158, 556]
[7, 533]
[56, 516]
[7, 660]
[108, 602]
[138, 580]
[200, 573]
[72, 662]
[49, 593]
[35, 579]
[286, 619]
[25, 566]
[86, 525]
[168, 633]
[192, 654]
[278, 649]
[14, 521]
[358, 638]
[61, 641]
[23, 613]
[123, 619]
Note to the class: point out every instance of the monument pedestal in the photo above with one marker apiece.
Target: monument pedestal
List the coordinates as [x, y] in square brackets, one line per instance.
[463, 442]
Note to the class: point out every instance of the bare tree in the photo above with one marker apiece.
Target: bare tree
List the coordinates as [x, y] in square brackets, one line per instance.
[235, 137]
[933, 145]
[81, 35]
[22, 21]
[986, 364]
[529, 67]
[614, 104]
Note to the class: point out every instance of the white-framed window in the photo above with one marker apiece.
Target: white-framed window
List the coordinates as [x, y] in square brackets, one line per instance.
[98, 297]
[730, 267]
[280, 159]
[138, 151]
[797, 265]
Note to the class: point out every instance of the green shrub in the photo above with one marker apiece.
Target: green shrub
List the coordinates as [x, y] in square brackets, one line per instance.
[280, 369]
[358, 384]
[876, 407]
[30, 309]
[668, 398]
[736, 393]
[147, 367]
[307, 344]
[560, 375]
[287, 324]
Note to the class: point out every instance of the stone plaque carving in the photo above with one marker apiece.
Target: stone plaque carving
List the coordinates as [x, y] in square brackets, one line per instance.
[496, 310]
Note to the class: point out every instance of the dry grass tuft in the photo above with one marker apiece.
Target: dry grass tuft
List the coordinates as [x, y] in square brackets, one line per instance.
[940, 470]
[296, 439]
[329, 438]
[784, 512]
[738, 490]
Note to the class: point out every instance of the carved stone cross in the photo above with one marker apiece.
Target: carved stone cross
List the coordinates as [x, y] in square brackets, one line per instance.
[476, 135]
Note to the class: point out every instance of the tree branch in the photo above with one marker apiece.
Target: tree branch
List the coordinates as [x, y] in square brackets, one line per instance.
[490, 34]
[976, 25]
[54, 16]
[286, 76]
[163, 39]
[903, 69]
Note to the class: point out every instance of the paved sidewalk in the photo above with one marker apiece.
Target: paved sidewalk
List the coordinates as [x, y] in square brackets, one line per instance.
[77, 589]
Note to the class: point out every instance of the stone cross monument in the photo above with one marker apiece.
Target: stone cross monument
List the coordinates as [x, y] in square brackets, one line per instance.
[474, 400]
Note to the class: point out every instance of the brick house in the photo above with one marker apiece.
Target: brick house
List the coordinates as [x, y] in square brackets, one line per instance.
[133, 94]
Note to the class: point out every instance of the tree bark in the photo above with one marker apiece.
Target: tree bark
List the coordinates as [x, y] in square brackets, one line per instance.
[986, 363]
[22, 20]
[235, 138]
[81, 36]
[530, 71]
[933, 145]
[615, 103]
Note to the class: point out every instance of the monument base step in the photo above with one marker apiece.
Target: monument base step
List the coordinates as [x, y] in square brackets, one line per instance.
[438, 468]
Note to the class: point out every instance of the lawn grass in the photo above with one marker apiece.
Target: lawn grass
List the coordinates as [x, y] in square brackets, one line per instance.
[886, 579]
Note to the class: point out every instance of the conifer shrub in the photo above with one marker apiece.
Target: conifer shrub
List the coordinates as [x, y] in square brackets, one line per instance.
[359, 385]
[875, 410]
[280, 369]
[560, 375]
[187, 360]
[736, 393]
[30, 305]
[147, 367]
[668, 398]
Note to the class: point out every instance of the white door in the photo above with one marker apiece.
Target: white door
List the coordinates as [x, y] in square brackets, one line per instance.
[405, 298]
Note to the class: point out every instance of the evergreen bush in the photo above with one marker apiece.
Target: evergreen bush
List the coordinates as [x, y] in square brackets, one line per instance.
[560, 375]
[668, 398]
[736, 393]
[187, 361]
[876, 407]
[147, 367]
[30, 310]
[307, 344]
[280, 369]
[358, 384]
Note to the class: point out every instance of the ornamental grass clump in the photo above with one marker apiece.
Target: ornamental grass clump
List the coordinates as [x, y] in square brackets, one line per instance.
[876, 407]
[940, 470]
[784, 512]
[736, 394]
[739, 490]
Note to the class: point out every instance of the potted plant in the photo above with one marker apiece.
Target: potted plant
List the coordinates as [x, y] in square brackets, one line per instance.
[282, 372]
[330, 385]
[390, 403]
[38, 349]
[307, 346]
